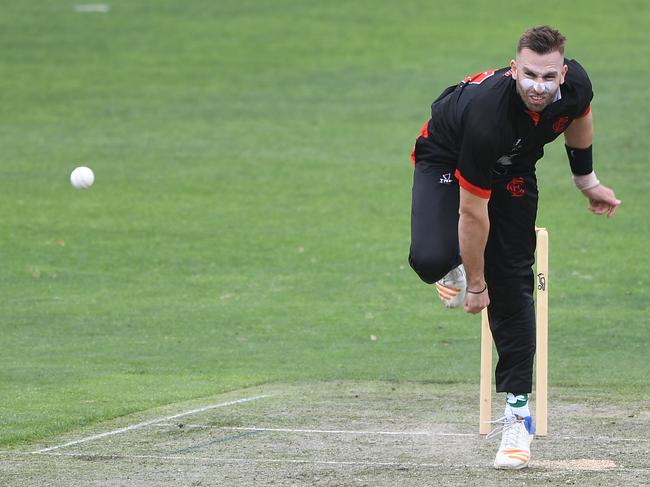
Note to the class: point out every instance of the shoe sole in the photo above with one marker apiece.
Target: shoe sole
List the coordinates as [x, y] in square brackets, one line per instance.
[508, 467]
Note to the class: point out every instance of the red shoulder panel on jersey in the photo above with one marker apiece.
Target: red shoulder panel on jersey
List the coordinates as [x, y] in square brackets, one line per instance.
[472, 188]
[478, 78]
[586, 112]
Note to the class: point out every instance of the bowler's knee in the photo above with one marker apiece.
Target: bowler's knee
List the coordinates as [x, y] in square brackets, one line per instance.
[430, 265]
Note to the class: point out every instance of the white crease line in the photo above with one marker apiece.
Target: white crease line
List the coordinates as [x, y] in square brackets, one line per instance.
[544, 464]
[148, 423]
[396, 433]
[238, 460]
[319, 431]
[604, 439]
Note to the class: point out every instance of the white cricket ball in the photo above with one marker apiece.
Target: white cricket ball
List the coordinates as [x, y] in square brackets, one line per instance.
[82, 177]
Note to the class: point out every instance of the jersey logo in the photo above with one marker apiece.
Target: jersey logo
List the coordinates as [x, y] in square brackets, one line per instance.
[516, 149]
[478, 78]
[560, 124]
[446, 179]
[516, 187]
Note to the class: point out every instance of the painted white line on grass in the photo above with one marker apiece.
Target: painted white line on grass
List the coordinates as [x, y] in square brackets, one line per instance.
[333, 432]
[186, 459]
[564, 465]
[604, 439]
[149, 423]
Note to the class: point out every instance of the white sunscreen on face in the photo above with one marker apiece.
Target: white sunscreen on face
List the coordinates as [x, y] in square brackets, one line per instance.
[545, 87]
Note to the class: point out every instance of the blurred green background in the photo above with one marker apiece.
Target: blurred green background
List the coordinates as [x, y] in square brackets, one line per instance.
[250, 217]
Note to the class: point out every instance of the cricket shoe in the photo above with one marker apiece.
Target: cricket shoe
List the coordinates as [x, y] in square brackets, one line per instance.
[516, 436]
[452, 287]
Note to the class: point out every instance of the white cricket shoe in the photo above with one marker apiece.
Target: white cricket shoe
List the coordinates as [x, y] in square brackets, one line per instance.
[516, 436]
[452, 287]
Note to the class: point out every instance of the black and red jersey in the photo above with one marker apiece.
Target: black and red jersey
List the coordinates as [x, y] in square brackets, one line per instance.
[482, 126]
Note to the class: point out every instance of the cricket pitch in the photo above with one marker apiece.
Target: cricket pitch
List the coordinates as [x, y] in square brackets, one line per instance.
[339, 434]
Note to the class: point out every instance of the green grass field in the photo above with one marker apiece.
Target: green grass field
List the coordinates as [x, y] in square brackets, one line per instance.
[250, 217]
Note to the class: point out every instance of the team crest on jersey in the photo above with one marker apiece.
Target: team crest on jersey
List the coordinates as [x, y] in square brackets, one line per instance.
[560, 124]
[516, 187]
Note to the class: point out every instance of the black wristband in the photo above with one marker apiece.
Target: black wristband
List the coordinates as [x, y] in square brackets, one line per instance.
[478, 292]
[580, 160]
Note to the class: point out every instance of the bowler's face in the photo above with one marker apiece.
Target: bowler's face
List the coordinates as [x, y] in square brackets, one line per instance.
[538, 77]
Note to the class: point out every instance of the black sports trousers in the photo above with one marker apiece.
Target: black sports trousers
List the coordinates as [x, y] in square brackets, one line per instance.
[509, 256]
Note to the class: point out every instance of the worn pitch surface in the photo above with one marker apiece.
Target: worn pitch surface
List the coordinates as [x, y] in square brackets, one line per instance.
[343, 433]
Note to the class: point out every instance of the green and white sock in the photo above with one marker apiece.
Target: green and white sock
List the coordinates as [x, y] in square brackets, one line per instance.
[518, 404]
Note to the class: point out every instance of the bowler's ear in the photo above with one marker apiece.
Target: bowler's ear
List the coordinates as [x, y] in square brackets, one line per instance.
[563, 73]
[513, 68]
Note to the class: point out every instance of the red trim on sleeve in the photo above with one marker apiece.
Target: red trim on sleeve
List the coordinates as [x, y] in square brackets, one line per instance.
[425, 129]
[475, 190]
[424, 132]
[586, 112]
